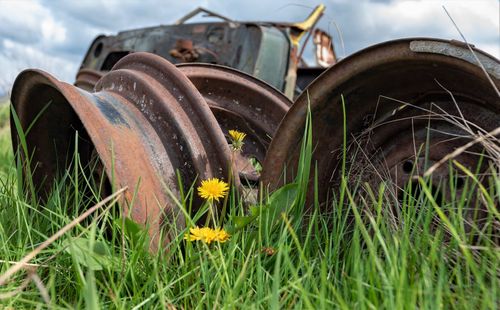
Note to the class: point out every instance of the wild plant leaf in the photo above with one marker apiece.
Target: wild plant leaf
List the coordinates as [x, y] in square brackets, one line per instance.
[242, 221]
[101, 248]
[256, 165]
[281, 200]
[96, 258]
[256, 210]
[137, 234]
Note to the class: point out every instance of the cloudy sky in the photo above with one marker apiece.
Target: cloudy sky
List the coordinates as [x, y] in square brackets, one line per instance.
[54, 34]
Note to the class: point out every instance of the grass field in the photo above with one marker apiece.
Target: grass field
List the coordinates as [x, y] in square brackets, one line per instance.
[355, 255]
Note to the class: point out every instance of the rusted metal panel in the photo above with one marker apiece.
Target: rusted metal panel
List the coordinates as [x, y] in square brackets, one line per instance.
[145, 120]
[266, 50]
[257, 50]
[393, 95]
[325, 53]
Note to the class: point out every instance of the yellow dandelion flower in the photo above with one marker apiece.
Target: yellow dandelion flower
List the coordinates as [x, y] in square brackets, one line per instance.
[207, 234]
[237, 139]
[237, 135]
[213, 189]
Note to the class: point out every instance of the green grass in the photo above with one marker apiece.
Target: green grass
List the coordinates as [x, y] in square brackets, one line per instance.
[352, 256]
[6, 157]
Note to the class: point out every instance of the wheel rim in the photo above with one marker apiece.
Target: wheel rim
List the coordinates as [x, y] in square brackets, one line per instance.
[376, 83]
[244, 103]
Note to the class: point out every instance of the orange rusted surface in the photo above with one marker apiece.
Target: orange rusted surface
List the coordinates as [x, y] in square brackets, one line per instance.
[145, 120]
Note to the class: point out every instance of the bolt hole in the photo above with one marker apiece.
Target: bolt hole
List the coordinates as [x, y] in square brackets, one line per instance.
[408, 166]
[98, 50]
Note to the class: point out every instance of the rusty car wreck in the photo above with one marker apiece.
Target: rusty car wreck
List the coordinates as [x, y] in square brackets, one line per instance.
[156, 104]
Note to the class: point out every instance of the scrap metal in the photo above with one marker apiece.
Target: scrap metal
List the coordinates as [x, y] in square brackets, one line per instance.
[268, 51]
[146, 121]
[150, 122]
[244, 103]
[405, 108]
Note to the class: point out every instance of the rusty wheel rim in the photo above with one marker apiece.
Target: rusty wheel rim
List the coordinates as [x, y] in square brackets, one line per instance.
[376, 83]
[145, 120]
[244, 103]
[87, 78]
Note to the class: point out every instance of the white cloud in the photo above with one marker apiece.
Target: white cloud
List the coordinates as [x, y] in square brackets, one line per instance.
[374, 22]
[29, 37]
[53, 31]
[16, 57]
[31, 23]
[474, 18]
[20, 20]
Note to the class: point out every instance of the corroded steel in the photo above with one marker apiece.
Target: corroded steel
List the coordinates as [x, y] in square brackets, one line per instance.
[396, 98]
[325, 53]
[238, 101]
[146, 121]
[266, 50]
[250, 47]
[87, 78]
[242, 102]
